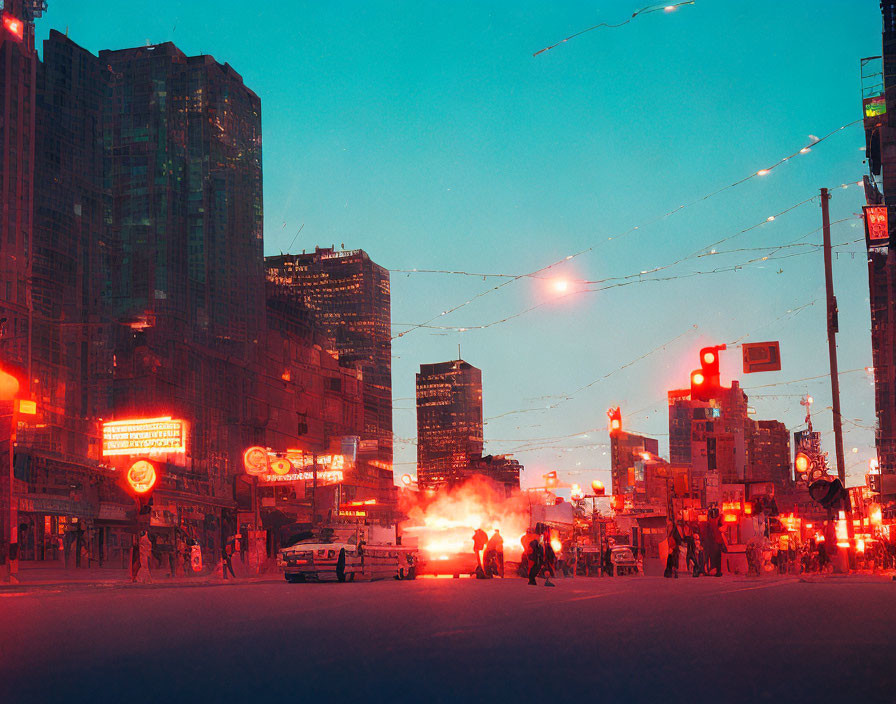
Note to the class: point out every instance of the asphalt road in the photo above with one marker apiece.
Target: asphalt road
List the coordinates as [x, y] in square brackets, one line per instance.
[630, 639]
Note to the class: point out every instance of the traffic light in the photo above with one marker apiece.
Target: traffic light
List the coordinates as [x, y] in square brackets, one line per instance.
[705, 381]
[874, 483]
[709, 363]
[14, 26]
[615, 416]
[803, 466]
[699, 386]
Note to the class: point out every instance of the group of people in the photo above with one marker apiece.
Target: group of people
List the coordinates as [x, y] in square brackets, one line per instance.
[179, 556]
[489, 553]
[704, 544]
[539, 557]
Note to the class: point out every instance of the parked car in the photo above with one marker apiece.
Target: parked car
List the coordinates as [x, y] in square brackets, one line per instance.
[623, 560]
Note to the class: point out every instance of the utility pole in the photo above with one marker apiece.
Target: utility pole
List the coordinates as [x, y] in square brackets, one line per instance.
[832, 353]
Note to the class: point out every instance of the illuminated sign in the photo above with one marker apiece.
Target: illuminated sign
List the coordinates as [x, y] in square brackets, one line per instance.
[323, 477]
[142, 476]
[294, 466]
[877, 226]
[875, 106]
[143, 436]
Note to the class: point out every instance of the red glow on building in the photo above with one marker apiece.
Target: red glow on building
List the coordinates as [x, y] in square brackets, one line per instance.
[14, 26]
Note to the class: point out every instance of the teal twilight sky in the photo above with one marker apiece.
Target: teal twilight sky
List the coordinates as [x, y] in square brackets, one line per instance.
[427, 134]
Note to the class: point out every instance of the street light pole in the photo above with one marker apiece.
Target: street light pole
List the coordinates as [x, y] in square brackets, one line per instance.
[833, 326]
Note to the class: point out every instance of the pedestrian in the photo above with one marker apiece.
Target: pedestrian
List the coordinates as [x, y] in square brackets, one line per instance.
[549, 559]
[674, 540]
[714, 542]
[480, 540]
[135, 558]
[699, 557]
[494, 553]
[227, 555]
[244, 545]
[143, 575]
[525, 541]
[690, 543]
[534, 556]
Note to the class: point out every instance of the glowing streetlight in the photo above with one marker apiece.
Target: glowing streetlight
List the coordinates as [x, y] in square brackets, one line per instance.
[762, 172]
[561, 285]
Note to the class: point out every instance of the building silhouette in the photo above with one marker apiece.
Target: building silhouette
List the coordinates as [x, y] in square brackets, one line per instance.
[449, 422]
[349, 299]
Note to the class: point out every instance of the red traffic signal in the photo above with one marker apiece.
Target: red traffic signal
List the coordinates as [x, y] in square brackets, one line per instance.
[802, 464]
[14, 26]
[700, 387]
[615, 416]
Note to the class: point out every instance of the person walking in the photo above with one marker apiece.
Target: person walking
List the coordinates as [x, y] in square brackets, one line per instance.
[143, 575]
[135, 558]
[534, 554]
[550, 559]
[674, 539]
[480, 540]
[226, 556]
[494, 553]
[714, 542]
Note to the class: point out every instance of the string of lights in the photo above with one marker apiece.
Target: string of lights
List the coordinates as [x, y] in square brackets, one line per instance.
[605, 25]
[631, 279]
[761, 172]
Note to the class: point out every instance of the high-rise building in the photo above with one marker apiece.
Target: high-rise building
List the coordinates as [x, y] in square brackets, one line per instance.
[18, 84]
[627, 461]
[879, 106]
[449, 422]
[722, 444]
[183, 141]
[72, 359]
[348, 295]
[18, 92]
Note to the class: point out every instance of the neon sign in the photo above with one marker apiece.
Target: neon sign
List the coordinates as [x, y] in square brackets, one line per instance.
[142, 476]
[143, 436]
[295, 466]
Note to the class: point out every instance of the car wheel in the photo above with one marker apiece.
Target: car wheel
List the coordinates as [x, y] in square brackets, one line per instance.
[340, 565]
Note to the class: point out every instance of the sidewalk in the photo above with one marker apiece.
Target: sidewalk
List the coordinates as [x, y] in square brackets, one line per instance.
[51, 576]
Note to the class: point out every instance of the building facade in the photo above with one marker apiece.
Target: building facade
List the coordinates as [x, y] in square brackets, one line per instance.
[449, 422]
[349, 297]
[721, 444]
[626, 460]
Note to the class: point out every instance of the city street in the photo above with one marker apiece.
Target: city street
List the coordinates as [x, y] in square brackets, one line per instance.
[623, 639]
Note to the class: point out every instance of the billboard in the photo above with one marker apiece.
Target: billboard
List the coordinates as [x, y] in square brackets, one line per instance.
[293, 466]
[144, 436]
[877, 226]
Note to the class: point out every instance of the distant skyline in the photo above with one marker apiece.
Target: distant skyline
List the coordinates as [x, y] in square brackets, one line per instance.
[429, 136]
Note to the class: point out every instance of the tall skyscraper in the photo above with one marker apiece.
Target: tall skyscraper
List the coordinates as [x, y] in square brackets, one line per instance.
[349, 297]
[879, 106]
[72, 359]
[183, 140]
[449, 422]
[18, 90]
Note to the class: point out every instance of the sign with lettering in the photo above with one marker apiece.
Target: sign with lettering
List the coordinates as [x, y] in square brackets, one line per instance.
[144, 436]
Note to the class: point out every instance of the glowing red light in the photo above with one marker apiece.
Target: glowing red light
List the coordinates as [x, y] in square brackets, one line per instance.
[709, 357]
[697, 378]
[142, 476]
[615, 424]
[14, 26]
[801, 462]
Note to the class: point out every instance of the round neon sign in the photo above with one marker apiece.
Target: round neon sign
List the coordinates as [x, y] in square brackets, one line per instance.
[255, 461]
[142, 476]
